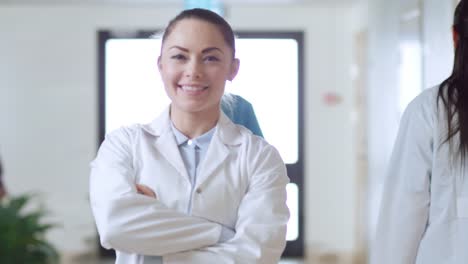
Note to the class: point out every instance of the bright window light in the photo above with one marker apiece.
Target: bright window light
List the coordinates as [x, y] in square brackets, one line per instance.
[268, 78]
[410, 73]
[293, 205]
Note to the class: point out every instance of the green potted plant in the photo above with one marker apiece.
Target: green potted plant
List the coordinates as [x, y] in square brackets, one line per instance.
[22, 234]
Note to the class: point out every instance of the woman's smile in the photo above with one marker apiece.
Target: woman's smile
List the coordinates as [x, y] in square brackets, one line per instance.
[192, 90]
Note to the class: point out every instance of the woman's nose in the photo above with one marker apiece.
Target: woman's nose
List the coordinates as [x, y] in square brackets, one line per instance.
[194, 70]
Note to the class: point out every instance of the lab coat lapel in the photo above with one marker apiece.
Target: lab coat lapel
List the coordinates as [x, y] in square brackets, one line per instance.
[165, 142]
[215, 156]
[167, 147]
[226, 135]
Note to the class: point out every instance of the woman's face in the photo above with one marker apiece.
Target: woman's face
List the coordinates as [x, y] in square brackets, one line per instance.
[195, 63]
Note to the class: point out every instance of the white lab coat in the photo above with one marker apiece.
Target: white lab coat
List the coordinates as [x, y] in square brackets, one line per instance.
[241, 184]
[424, 211]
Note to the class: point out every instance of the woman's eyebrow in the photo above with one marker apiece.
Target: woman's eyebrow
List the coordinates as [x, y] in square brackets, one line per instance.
[179, 47]
[212, 49]
[207, 50]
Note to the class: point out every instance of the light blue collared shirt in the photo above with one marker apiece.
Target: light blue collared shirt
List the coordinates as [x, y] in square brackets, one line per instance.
[192, 151]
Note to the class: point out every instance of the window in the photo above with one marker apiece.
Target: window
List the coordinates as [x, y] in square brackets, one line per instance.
[130, 91]
[410, 48]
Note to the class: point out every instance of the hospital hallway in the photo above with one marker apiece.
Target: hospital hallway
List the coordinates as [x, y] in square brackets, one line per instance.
[329, 81]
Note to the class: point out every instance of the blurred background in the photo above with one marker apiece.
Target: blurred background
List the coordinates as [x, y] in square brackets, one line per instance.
[359, 63]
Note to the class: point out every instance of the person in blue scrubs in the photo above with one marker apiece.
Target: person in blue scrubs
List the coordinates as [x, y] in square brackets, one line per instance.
[241, 112]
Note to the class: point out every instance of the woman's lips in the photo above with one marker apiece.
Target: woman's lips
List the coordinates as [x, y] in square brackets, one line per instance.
[192, 89]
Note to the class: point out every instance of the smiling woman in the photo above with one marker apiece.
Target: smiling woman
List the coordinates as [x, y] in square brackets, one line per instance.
[186, 188]
[194, 66]
[131, 92]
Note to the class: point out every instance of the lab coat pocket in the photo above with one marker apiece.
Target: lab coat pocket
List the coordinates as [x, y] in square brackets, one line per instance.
[462, 207]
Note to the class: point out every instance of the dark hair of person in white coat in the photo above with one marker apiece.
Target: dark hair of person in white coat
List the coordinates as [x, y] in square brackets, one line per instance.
[454, 90]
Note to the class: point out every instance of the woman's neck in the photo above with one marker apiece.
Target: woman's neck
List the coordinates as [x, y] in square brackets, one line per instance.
[194, 124]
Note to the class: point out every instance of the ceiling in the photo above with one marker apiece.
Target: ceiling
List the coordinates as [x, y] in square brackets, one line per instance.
[177, 2]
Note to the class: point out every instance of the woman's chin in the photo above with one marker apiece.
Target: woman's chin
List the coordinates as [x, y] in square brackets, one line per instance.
[194, 108]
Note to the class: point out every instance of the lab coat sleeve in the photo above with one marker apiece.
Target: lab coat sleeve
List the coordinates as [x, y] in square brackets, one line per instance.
[134, 223]
[405, 203]
[262, 218]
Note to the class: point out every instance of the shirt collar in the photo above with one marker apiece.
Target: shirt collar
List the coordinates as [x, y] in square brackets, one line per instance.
[226, 131]
[202, 141]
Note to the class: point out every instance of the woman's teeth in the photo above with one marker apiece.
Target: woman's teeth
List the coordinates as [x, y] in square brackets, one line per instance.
[192, 88]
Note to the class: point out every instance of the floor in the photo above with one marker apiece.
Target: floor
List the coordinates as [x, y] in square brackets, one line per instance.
[94, 260]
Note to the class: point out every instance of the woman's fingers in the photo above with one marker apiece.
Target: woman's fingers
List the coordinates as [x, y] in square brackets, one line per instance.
[145, 190]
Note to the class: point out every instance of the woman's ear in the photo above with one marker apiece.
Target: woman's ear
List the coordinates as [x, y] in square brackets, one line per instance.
[159, 64]
[234, 69]
[455, 37]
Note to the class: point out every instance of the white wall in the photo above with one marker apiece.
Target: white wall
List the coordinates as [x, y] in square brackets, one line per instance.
[383, 95]
[48, 108]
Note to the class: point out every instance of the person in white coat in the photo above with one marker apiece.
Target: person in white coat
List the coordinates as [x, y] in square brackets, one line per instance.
[424, 210]
[191, 187]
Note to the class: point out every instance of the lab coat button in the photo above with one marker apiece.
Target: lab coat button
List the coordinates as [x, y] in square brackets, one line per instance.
[199, 190]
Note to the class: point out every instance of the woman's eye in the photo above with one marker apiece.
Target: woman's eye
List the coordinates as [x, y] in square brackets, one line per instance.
[211, 58]
[178, 57]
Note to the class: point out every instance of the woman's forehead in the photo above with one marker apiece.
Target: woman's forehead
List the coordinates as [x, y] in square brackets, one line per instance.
[191, 30]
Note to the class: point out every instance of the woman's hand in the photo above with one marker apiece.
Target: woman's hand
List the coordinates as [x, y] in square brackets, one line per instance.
[145, 190]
